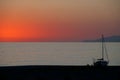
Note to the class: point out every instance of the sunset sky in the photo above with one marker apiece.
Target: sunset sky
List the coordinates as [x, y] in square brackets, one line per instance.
[58, 20]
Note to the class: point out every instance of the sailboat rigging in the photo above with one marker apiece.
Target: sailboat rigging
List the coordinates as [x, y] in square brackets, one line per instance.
[102, 61]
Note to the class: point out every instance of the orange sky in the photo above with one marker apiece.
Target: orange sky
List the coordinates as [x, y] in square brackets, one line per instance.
[58, 20]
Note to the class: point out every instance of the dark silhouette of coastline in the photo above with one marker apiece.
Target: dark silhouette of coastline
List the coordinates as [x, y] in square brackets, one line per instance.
[59, 73]
[107, 39]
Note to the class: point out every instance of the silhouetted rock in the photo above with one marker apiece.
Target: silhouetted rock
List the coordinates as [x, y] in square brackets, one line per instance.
[59, 73]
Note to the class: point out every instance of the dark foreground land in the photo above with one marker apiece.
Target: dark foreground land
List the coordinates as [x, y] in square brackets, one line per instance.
[59, 73]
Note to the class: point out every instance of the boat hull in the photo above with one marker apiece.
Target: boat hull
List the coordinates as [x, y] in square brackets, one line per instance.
[101, 63]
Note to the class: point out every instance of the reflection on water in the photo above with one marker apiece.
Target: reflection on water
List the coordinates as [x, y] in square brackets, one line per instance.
[51, 53]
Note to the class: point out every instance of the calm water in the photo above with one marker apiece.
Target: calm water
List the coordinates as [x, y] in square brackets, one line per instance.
[51, 53]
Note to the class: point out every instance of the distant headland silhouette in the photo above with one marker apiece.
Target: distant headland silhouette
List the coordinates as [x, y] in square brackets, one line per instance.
[107, 39]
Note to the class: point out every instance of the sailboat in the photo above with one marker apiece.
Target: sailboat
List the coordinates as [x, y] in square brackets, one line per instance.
[102, 61]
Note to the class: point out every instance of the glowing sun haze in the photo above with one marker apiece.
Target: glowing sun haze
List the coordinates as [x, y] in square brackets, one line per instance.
[58, 20]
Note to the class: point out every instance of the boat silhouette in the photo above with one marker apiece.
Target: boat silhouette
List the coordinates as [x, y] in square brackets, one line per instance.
[102, 61]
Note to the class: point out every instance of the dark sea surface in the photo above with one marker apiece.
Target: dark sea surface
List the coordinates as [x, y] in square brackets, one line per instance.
[55, 53]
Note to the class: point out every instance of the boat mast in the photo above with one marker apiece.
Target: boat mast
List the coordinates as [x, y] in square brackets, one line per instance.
[102, 47]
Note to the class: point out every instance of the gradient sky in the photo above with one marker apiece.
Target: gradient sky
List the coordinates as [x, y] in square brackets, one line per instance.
[58, 20]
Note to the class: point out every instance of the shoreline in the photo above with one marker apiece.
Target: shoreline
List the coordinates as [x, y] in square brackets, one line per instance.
[37, 72]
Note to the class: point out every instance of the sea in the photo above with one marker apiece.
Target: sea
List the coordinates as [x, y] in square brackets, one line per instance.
[56, 53]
